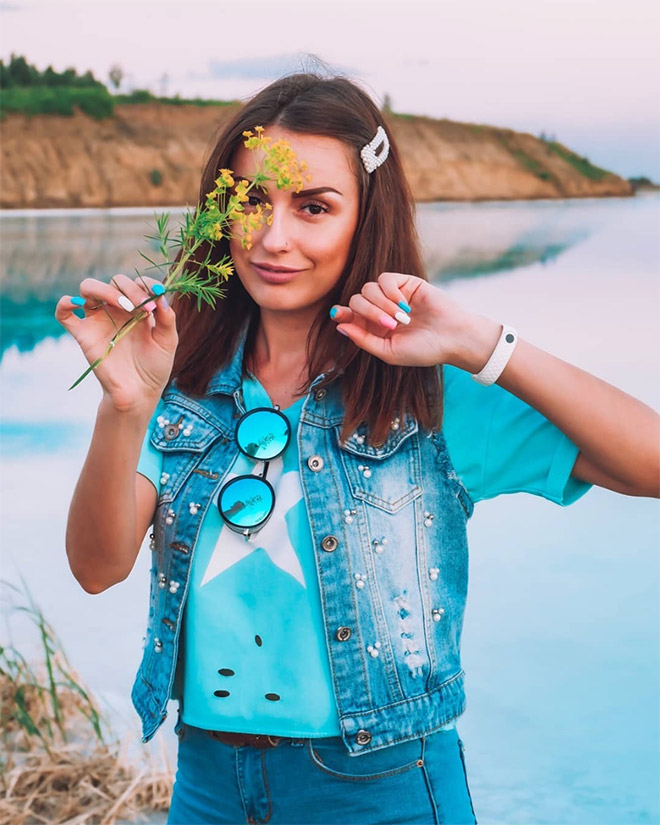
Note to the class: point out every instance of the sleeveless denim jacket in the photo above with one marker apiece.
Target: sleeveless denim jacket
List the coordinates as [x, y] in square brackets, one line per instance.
[396, 512]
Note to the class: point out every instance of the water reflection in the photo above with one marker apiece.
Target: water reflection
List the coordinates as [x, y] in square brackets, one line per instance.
[47, 254]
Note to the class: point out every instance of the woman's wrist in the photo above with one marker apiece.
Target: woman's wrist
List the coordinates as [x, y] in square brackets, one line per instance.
[476, 343]
[141, 409]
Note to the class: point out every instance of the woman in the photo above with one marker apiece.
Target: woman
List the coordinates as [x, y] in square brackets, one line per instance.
[309, 490]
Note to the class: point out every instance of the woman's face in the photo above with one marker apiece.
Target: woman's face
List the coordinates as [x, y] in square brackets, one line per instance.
[311, 231]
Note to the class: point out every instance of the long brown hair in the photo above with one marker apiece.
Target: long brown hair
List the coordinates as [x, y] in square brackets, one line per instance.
[385, 240]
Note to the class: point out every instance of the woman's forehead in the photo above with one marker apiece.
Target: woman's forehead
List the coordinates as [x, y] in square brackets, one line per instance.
[327, 158]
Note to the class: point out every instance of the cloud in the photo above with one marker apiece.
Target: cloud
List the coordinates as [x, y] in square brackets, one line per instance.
[268, 68]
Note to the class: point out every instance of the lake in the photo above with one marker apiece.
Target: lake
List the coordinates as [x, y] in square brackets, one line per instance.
[561, 643]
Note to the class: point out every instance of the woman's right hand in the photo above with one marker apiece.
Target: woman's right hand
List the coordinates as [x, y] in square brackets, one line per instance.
[138, 367]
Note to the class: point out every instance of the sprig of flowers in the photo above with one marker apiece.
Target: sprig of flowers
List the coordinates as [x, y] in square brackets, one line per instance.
[219, 217]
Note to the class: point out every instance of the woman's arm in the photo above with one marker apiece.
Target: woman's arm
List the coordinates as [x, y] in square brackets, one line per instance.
[618, 435]
[112, 506]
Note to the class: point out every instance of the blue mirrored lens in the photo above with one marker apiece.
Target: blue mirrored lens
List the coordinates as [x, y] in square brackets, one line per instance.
[263, 434]
[246, 502]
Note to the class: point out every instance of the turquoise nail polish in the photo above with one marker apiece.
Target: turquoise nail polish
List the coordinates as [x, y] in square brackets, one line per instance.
[404, 306]
[158, 289]
[79, 302]
[333, 312]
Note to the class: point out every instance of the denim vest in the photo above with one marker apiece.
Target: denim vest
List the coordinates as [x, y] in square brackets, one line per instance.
[395, 514]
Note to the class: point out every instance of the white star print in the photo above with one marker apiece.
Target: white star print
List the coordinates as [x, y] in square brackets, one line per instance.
[231, 547]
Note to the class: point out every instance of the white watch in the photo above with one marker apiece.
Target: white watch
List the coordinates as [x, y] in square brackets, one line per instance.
[499, 358]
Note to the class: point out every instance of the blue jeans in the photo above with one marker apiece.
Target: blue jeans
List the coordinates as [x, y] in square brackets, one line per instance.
[316, 782]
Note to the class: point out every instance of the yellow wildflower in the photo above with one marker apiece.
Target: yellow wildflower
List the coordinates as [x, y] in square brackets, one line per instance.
[225, 178]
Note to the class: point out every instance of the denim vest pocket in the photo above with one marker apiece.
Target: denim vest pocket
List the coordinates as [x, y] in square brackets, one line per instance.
[386, 476]
[182, 434]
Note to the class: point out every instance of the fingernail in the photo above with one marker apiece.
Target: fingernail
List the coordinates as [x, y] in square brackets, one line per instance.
[402, 317]
[343, 332]
[387, 321]
[79, 302]
[334, 311]
[164, 302]
[151, 306]
[158, 289]
[404, 306]
[124, 303]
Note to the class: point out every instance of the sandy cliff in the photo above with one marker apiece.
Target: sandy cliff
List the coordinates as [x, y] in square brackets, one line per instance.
[152, 155]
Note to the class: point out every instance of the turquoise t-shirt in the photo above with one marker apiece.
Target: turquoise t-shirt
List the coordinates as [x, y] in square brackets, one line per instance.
[253, 627]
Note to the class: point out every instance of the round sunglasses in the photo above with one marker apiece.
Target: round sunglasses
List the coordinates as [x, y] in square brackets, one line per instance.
[247, 502]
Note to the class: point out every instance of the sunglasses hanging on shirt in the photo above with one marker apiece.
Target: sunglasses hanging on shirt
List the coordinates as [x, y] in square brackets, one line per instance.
[247, 502]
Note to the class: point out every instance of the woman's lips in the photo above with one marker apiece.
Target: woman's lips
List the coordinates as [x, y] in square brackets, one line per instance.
[276, 277]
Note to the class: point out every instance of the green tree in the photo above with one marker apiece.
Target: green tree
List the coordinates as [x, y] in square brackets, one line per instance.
[20, 73]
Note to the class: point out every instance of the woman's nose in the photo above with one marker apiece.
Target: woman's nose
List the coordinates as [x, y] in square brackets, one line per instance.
[277, 236]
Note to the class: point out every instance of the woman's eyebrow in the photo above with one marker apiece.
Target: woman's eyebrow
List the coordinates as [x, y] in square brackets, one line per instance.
[304, 193]
[318, 191]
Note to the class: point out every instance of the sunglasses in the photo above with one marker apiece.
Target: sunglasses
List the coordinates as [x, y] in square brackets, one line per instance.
[247, 502]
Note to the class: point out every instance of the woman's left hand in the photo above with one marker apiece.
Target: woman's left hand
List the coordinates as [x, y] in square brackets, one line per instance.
[439, 330]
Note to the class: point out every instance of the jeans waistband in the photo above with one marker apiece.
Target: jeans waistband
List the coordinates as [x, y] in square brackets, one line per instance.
[254, 740]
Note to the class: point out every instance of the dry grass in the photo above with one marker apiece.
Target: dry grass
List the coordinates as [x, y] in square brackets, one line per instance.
[60, 762]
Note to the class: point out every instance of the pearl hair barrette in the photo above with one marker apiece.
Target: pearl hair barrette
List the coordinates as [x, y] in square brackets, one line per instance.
[368, 154]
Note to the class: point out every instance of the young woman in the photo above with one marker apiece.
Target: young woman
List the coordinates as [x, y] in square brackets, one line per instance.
[309, 454]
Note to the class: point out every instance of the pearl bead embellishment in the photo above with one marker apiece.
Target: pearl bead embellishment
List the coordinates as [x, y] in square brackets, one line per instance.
[360, 579]
[174, 586]
[433, 573]
[366, 472]
[374, 649]
[348, 516]
[437, 613]
[428, 519]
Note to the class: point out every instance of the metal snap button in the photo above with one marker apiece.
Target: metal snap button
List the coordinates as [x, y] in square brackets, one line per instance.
[330, 543]
[315, 463]
[363, 737]
[171, 431]
[343, 634]
[319, 395]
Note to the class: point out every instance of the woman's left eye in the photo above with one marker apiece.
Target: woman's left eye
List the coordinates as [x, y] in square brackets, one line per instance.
[316, 206]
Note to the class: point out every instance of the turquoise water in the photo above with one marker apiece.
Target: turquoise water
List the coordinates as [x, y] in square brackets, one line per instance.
[561, 641]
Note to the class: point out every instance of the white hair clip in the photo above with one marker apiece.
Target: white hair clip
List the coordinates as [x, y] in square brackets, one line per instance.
[368, 154]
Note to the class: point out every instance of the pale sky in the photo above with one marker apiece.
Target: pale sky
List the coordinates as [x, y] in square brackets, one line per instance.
[587, 71]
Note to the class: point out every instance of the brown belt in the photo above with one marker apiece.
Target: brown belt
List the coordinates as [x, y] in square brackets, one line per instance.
[254, 740]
